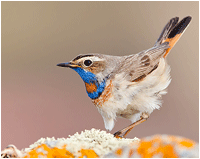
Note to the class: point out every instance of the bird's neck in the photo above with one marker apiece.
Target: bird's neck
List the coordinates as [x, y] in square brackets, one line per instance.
[94, 88]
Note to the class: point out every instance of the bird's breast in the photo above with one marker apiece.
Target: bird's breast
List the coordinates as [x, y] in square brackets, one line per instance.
[90, 87]
[105, 95]
[94, 89]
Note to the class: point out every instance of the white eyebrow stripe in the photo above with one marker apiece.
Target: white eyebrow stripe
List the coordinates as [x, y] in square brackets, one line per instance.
[92, 58]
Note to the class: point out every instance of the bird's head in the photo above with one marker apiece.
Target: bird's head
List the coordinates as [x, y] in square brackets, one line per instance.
[93, 69]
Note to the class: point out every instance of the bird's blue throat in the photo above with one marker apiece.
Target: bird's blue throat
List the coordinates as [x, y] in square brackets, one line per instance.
[93, 88]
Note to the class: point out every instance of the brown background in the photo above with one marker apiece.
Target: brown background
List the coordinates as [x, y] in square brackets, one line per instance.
[42, 100]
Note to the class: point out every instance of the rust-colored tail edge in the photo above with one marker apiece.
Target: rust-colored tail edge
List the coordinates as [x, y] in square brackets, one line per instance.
[175, 33]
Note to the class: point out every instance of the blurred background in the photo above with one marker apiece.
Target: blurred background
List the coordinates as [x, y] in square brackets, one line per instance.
[40, 99]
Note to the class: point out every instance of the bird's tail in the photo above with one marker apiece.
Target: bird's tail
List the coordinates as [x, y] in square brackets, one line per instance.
[172, 32]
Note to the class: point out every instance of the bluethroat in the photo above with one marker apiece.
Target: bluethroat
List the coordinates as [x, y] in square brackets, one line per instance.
[129, 86]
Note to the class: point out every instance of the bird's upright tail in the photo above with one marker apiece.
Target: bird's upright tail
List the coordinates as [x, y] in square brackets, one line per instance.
[172, 32]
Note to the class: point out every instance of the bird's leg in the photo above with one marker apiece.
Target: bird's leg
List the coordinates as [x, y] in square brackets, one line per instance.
[126, 130]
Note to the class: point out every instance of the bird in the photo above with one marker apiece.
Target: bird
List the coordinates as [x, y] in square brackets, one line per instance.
[129, 86]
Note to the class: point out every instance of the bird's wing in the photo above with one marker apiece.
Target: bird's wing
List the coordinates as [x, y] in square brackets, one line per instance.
[136, 67]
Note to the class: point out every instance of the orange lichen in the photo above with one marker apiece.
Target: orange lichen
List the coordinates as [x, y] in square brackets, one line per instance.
[58, 153]
[61, 153]
[88, 153]
[130, 152]
[32, 154]
[144, 149]
[49, 152]
[119, 152]
[187, 143]
[156, 146]
[164, 146]
[167, 151]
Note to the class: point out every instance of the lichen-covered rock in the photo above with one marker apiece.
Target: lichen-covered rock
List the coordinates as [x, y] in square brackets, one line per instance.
[159, 146]
[95, 143]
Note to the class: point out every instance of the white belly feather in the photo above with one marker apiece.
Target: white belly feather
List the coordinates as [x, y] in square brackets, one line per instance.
[130, 99]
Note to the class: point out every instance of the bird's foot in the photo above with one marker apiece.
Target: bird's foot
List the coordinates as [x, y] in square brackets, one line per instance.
[117, 135]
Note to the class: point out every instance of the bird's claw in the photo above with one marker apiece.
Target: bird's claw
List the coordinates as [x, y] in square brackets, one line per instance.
[117, 135]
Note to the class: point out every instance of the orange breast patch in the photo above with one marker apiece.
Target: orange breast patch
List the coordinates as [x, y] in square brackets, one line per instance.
[104, 96]
[91, 87]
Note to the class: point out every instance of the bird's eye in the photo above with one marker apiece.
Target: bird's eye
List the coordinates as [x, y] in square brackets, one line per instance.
[87, 62]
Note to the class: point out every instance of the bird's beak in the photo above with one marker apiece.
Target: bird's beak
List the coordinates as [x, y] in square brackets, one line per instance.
[68, 64]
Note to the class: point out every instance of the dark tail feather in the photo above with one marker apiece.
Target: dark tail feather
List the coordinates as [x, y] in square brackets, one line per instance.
[167, 29]
[172, 32]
